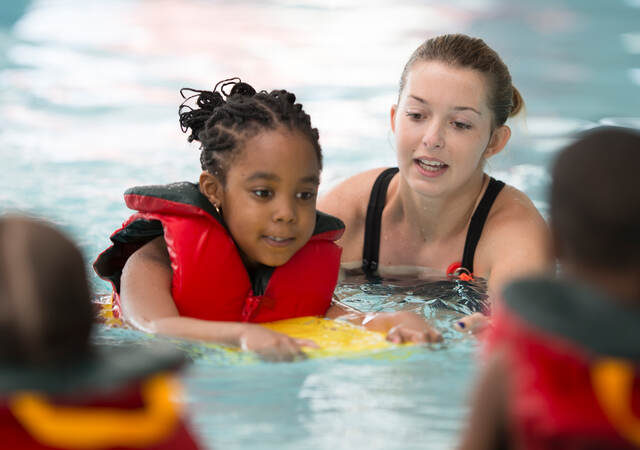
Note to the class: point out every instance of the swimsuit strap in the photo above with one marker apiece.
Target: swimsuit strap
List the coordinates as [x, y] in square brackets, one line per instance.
[477, 222]
[371, 248]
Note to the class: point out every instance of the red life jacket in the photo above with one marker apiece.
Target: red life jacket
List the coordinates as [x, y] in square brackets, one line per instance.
[210, 281]
[573, 364]
[123, 399]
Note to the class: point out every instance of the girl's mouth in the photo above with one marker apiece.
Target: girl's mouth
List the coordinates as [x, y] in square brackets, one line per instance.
[277, 241]
[430, 168]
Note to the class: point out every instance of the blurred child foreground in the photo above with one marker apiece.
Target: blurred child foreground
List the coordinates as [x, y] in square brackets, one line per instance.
[564, 354]
[57, 391]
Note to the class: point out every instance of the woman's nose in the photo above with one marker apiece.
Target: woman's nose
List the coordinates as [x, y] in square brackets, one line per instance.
[433, 136]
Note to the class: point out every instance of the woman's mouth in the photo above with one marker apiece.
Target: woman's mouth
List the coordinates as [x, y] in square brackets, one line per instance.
[430, 167]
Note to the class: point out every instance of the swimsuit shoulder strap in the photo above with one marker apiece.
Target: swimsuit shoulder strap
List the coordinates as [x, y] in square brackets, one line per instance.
[477, 222]
[371, 248]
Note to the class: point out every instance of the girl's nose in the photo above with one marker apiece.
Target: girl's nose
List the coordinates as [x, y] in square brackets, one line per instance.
[433, 138]
[285, 211]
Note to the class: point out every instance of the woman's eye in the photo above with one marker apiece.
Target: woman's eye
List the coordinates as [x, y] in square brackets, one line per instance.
[414, 115]
[462, 125]
[261, 193]
[306, 195]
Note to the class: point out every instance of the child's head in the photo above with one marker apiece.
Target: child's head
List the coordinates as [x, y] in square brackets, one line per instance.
[45, 308]
[261, 162]
[465, 52]
[595, 201]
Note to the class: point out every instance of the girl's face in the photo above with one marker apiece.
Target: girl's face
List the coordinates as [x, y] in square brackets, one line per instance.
[269, 200]
[443, 127]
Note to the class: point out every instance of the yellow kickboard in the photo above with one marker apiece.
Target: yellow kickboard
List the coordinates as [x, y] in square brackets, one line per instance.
[333, 337]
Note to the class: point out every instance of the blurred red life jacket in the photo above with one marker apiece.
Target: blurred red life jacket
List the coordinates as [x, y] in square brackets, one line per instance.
[118, 397]
[210, 281]
[573, 365]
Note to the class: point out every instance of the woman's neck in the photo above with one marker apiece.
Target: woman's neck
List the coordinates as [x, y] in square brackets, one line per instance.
[435, 218]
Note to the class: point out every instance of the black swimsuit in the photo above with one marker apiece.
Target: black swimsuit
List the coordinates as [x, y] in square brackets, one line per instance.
[370, 251]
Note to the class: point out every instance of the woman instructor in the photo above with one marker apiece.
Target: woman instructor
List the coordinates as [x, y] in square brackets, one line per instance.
[438, 208]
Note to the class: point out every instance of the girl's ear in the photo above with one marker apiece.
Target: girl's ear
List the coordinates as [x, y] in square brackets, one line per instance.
[212, 188]
[498, 140]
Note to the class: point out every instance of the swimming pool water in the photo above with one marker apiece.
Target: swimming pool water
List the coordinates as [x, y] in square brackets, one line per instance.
[88, 102]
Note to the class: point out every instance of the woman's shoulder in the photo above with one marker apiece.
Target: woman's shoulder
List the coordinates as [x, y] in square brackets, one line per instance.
[349, 197]
[516, 238]
[514, 207]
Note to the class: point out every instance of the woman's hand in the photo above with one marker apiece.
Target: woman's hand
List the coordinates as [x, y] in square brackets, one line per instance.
[271, 345]
[406, 326]
[475, 323]
[401, 326]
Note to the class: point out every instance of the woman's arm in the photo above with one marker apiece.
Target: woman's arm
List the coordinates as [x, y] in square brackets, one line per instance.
[401, 326]
[147, 304]
[516, 242]
[348, 201]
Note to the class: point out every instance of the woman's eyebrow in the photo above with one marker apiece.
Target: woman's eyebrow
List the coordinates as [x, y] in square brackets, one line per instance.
[457, 108]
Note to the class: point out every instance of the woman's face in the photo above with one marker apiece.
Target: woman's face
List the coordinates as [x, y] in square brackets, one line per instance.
[443, 127]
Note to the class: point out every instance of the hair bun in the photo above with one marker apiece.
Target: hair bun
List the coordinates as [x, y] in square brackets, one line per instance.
[291, 97]
[209, 101]
[241, 88]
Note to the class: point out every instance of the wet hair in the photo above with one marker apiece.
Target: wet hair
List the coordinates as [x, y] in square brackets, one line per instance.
[465, 52]
[45, 307]
[595, 199]
[222, 122]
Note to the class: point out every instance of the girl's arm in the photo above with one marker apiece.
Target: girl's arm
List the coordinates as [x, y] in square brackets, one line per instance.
[401, 326]
[145, 294]
[487, 426]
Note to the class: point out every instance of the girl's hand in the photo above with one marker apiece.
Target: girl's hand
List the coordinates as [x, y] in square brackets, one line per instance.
[474, 323]
[271, 345]
[410, 327]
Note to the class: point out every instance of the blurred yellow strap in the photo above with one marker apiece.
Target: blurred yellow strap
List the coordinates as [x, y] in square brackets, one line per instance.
[612, 381]
[76, 427]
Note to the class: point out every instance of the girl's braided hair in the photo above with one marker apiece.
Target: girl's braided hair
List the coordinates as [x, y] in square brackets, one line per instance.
[222, 122]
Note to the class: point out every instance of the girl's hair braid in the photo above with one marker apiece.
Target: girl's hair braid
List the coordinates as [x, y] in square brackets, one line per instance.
[223, 121]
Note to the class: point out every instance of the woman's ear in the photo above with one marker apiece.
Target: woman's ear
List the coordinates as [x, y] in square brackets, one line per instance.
[497, 141]
[212, 188]
[394, 110]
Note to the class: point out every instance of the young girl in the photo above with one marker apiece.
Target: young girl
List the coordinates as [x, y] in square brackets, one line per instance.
[57, 390]
[439, 209]
[244, 245]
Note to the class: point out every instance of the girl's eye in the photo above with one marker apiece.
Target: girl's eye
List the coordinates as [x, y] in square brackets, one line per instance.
[461, 125]
[262, 193]
[306, 195]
